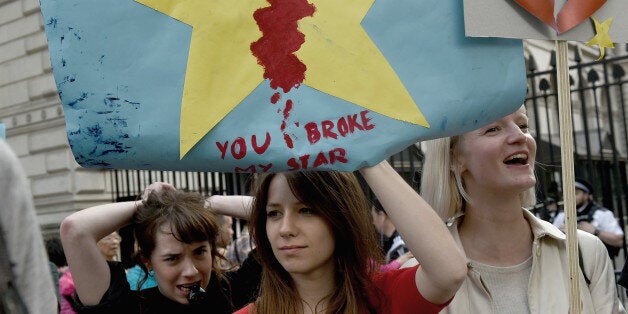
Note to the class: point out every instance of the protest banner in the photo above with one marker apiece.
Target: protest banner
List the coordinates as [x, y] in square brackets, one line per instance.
[256, 86]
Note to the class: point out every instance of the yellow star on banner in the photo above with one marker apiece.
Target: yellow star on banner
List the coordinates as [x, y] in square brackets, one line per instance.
[221, 71]
[341, 61]
[601, 38]
[344, 62]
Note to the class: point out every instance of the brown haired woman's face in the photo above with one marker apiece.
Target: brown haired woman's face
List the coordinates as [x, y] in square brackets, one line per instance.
[301, 240]
[179, 265]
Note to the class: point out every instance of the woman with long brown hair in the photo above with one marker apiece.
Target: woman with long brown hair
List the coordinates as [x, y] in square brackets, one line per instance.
[316, 244]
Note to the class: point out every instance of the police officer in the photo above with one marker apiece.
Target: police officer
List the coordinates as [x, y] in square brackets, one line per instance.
[594, 219]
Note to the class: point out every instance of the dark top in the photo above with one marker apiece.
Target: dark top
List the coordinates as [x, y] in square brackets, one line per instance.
[623, 277]
[241, 288]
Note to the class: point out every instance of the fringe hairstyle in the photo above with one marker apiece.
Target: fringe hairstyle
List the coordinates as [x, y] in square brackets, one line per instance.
[339, 199]
[189, 220]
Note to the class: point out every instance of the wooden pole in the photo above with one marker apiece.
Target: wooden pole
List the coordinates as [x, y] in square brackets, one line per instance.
[566, 139]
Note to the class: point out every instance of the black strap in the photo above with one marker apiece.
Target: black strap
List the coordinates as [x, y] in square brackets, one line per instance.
[594, 207]
[581, 263]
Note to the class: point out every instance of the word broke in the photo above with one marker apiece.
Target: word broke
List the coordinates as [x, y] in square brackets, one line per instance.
[343, 127]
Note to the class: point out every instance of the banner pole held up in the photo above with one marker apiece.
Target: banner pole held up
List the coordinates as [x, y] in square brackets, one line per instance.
[566, 139]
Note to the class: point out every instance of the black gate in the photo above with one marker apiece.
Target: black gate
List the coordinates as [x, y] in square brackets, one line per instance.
[598, 94]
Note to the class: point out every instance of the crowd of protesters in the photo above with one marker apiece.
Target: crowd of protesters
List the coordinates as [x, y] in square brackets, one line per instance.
[467, 243]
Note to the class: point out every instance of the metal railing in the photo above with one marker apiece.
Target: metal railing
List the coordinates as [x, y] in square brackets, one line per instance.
[598, 92]
[600, 129]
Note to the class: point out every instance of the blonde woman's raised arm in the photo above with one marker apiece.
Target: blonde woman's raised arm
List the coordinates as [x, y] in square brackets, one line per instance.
[443, 267]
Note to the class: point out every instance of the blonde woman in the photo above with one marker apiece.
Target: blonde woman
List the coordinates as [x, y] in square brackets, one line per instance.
[479, 182]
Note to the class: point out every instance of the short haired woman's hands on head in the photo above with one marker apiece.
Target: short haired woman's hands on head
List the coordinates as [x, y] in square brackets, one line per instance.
[156, 187]
[176, 238]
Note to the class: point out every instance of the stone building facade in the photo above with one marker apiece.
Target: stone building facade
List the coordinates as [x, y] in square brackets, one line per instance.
[31, 111]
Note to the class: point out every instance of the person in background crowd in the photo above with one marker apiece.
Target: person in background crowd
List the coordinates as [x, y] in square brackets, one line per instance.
[552, 209]
[546, 210]
[26, 280]
[390, 240]
[58, 263]
[238, 250]
[225, 237]
[480, 182]
[594, 219]
[108, 247]
[316, 244]
[398, 262]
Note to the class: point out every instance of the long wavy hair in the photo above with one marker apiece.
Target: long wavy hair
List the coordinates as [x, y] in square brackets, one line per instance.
[442, 185]
[340, 201]
[189, 220]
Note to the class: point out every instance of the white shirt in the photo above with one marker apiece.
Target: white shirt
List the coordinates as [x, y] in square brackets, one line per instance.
[603, 219]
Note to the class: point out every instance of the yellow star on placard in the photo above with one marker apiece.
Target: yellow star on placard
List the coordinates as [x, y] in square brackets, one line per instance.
[344, 62]
[221, 71]
[340, 58]
[602, 38]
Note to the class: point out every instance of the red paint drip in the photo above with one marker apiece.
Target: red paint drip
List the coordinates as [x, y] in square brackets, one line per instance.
[280, 39]
[286, 111]
[288, 140]
[275, 98]
[286, 115]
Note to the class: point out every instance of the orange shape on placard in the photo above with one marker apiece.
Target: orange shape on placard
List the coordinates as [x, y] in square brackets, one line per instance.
[571, 14]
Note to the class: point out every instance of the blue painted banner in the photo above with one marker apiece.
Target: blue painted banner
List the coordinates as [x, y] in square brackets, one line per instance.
[3, 130]
[215, 86]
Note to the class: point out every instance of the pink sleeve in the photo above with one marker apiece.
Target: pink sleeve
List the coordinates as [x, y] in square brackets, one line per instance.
[399, 293]
[66, 284]
[390, 266]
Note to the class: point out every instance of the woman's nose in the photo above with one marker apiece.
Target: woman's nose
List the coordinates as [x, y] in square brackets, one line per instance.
[288, 227]
[516, 134]
[189, 268]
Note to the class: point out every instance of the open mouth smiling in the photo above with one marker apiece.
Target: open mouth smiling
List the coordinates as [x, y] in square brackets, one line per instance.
[517, 159]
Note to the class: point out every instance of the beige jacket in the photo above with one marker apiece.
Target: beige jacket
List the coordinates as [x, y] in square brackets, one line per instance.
[548, 290]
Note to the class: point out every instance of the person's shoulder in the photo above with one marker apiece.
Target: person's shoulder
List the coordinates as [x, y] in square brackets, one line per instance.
[601, 209]
[603, 215]
[588, 242]
[542, 228]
